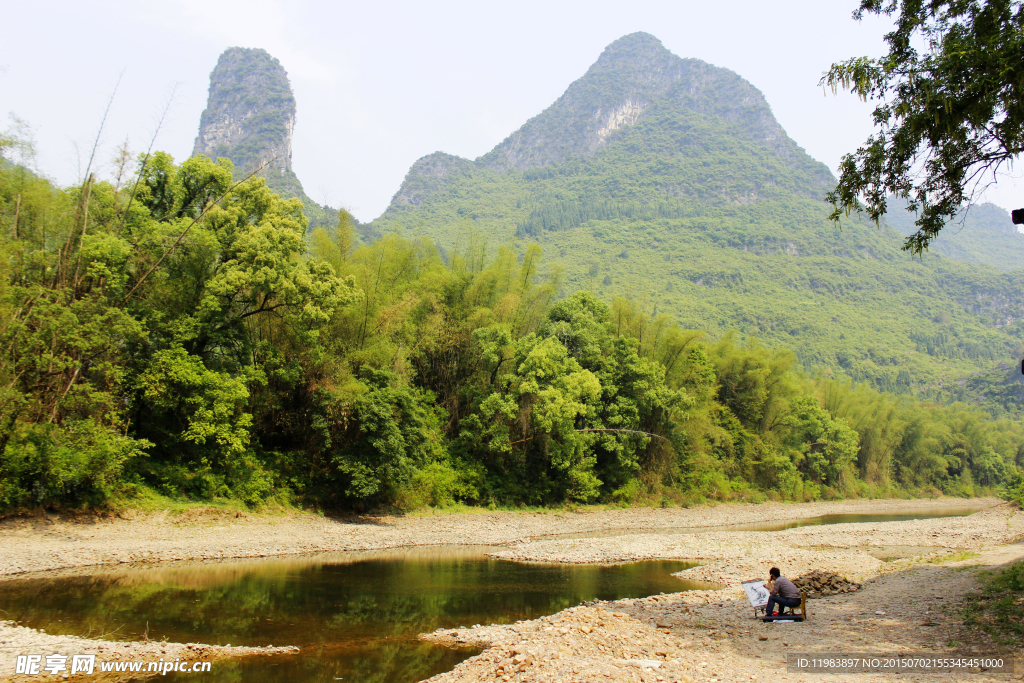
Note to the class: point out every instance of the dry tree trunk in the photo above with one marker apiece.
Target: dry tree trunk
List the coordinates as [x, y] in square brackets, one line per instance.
[85, 222]
[17, 212]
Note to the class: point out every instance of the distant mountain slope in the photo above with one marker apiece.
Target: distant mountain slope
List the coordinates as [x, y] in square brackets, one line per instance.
[984, 234]
[668, 181]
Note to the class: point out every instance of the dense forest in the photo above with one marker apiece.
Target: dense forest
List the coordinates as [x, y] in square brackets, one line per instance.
[172, 331]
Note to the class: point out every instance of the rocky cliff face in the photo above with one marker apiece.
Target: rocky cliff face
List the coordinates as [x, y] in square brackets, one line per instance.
[250, 116]
[635, 81]
[631, 75]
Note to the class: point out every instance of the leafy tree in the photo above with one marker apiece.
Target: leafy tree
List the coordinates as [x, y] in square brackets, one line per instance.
[389, 432]
[828, 446]
[950, 111]
[754, 384]
[529, 424]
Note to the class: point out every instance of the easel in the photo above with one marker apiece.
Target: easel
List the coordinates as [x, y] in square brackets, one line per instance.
[758, 594]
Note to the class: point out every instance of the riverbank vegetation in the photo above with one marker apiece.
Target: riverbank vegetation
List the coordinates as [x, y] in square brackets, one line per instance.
[170, 331]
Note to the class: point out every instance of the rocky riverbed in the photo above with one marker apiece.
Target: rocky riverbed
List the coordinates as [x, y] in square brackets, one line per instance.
[712, 636]
[908, 604]
[697, 635]
[43, 543]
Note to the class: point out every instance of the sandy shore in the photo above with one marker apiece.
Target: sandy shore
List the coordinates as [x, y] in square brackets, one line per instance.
[698, 635]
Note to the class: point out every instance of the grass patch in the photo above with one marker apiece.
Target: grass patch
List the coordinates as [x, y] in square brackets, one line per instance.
[462, 509]
[145, 500]
[999, 609]
[955, 557]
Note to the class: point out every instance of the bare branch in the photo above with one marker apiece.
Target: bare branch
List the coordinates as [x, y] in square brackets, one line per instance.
[103, 122]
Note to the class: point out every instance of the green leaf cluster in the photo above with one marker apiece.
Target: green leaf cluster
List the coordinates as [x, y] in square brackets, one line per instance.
[949, 110]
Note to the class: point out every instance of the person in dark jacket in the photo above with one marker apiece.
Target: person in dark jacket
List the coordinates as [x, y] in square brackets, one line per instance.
[783, 592]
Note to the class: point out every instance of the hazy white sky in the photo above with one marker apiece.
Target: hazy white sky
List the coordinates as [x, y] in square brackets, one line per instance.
[379, 85]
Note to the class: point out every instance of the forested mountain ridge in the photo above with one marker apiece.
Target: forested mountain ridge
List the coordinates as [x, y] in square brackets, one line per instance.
[669, 182]
[633, 80]
[627, 83]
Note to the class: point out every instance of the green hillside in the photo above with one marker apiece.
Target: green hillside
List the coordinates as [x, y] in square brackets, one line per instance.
[185, 338]
[667, 181]
[984, 234]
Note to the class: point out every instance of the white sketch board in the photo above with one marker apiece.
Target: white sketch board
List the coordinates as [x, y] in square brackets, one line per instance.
[756, 592]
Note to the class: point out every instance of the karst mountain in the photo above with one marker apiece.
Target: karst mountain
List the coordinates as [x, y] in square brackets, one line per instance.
[250, 119]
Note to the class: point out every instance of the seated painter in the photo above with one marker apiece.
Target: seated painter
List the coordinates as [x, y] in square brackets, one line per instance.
[783, 592]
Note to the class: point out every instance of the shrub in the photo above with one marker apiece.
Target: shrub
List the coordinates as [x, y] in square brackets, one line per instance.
[438, 485]
[629, 493]
[1014, 489]
[75, 464]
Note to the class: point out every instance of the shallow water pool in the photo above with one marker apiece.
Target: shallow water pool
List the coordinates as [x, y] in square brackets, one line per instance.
[355, 616]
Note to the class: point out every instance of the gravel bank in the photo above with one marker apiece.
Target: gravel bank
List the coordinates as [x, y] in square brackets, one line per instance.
[17, 640]
[908, 605]
[711, 636]
[730, 557]
[43, 543]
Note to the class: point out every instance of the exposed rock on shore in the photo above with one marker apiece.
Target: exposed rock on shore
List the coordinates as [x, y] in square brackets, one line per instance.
[820, 583]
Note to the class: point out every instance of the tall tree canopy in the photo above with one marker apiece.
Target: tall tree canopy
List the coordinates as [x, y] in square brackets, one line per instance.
[950, 110]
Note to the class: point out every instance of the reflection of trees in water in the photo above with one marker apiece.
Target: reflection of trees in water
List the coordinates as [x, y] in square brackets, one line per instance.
[342, 611]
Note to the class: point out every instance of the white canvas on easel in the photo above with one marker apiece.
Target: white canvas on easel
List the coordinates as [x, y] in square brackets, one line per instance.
[757, 594]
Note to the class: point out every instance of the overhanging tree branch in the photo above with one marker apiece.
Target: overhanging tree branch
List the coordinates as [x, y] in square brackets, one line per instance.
[948, 116]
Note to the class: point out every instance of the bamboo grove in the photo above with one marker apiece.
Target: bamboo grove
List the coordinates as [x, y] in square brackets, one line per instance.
[170, 331]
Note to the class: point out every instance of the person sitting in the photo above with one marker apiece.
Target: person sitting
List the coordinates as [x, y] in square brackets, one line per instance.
[782, 592]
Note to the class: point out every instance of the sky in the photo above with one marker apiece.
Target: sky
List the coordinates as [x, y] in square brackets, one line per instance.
[379, 85]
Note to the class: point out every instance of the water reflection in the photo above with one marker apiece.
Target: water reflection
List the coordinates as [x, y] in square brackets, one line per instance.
[355, 615]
